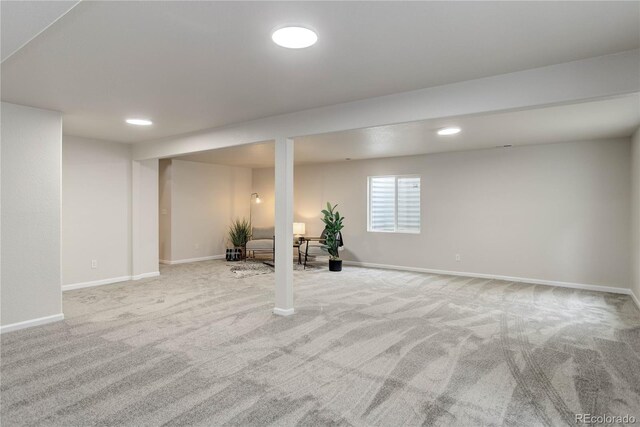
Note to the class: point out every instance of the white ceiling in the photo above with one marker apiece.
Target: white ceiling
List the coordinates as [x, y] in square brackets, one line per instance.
[195, 65]
[23, 20]
[611, 118]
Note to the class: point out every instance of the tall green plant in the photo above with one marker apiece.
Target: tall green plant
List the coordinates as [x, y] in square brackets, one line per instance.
[240, 232]
[333, 225]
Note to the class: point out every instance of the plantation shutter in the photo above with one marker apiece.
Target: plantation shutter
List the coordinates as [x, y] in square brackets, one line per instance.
[408, 204]
[382, 203]
[394, 204]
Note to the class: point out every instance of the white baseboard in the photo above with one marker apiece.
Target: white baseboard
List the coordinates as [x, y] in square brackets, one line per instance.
[109, 281]
[283, 311]
[95, 283]
[31, 323]
[185, 261]
[598, 288]
[145, 275]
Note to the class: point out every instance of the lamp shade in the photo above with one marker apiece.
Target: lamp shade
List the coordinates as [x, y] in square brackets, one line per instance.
[298, 228]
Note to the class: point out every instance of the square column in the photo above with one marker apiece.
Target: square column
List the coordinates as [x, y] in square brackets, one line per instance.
[144, 219]
[284, 227]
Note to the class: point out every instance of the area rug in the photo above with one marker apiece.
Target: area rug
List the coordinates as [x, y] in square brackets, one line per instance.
[256, 268]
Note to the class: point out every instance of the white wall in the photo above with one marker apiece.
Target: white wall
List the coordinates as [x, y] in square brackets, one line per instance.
[558, 212]
[635, 214]
[205, 198]
[96, 210]
[30, 243]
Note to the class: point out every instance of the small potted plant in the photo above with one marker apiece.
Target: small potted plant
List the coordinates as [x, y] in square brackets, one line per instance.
[333, 236]
[239, 234]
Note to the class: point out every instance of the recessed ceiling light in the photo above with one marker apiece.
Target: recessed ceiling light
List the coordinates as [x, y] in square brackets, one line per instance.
[294, 37]
[448, 131]
[139, 122]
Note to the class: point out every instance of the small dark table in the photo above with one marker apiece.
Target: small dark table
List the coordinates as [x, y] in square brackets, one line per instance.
[296, 244]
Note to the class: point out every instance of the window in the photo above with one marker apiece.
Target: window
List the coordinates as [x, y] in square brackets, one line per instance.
[394, 204]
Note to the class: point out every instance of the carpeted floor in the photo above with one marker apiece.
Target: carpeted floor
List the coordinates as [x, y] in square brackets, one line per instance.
[199, 346]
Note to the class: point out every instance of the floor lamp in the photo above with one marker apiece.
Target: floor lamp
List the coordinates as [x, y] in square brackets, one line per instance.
[251, 206]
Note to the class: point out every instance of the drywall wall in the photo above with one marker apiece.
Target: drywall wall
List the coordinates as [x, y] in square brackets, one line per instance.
[557, 212]
[96, 210]
[144, 219]
[164, 201]
[635, 214]
[205, 198]
[30, 242]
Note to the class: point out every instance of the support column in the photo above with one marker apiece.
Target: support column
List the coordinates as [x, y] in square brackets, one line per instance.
[144, 219]
[284, 227]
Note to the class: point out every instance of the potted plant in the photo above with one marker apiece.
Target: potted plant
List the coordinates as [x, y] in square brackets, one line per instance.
[333, 236]
[239, 234]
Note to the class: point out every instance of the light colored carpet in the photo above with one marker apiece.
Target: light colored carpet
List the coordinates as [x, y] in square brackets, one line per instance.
[198, 346]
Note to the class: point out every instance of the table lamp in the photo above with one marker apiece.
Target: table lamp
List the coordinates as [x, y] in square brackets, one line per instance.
[298, 229]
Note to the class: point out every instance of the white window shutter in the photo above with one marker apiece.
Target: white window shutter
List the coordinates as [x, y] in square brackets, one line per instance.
[408, 204]
[382, 203]
[394, 204]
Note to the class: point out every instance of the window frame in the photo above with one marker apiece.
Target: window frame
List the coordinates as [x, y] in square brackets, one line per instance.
[395, 222]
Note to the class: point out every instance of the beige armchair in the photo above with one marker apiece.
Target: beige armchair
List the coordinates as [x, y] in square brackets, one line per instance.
[262, 240]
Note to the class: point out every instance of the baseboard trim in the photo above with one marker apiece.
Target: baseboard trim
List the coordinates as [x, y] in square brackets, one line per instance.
[185, 261]
[283, 311]
[145, 275]
[586, 287]
[95, 283]
[109, 281]
[31, 323]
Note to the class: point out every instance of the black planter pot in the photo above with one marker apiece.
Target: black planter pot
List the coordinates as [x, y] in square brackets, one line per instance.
[335, 265]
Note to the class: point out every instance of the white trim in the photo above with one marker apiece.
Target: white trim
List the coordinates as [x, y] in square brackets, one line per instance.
[31, 323]
[145, 275]
[185, 261]
[598, 288]
[95, 283]
[283, 311]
